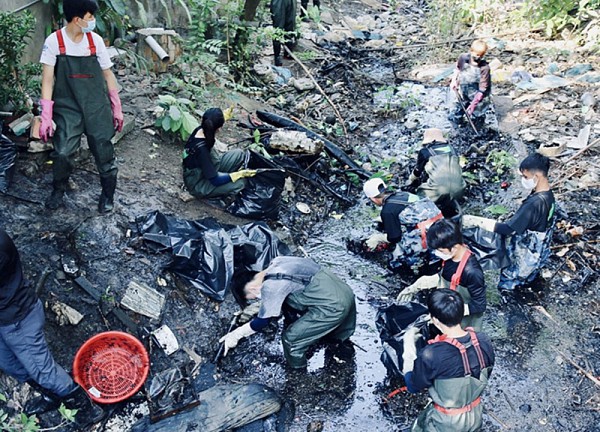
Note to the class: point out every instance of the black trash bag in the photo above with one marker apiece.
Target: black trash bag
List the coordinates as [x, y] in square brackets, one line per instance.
[256, 246]
[392, 322]
[489, 247]
[206, 253]
[8, 155]
[262, 194]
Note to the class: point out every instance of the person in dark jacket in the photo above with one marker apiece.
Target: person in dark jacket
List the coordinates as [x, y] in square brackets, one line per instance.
[207, 173]
[472, 81]
[454, 367]
[24, 353]
[460, 272]
[530, 228]
[283, 13]
[316, 304]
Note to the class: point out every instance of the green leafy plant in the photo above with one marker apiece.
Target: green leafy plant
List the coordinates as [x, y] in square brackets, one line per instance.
[555, 15]
[21, 422]
[501, 161]
[496, 210]
[17, 80]
[175, 116]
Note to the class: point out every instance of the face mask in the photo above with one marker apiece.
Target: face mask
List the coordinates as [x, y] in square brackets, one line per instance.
[528, 183]
[441, 255]
[91, 25]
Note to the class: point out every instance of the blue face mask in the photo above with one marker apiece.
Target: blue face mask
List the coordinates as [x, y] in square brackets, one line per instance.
[91, 25]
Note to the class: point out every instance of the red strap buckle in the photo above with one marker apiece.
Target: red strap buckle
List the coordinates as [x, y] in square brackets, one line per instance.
[423, 227]
[455, 281]
[456, 411]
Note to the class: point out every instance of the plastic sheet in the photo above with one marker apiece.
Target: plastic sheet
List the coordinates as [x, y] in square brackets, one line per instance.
[489, 247]
[262, 194]
[8, 155]
[392, 322]
[207, 254]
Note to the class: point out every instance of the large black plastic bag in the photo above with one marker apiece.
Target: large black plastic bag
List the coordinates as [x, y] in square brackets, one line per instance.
[8, 155]
[256, 246]
[392, 322]
[262, 194]
[489, 247]
[206, 253]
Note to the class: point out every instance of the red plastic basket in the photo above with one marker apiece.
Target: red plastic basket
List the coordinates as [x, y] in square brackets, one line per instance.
[111, 366]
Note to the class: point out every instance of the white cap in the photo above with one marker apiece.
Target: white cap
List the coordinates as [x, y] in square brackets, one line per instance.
[432, 135]
[373, 187]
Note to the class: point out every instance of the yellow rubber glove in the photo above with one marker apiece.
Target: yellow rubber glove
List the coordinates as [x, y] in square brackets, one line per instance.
[235, 176]
[228, 113]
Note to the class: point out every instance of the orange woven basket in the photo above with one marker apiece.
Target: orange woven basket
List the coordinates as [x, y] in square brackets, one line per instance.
[111, 366]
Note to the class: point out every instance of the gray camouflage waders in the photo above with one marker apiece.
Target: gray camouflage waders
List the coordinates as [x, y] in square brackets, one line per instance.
[329, 310]
[81, 105]
[456, 405]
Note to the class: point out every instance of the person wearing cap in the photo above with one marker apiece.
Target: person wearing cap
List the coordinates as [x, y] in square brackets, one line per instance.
[530, 228]
[315, 303]
[472, 81]
[206, 172]
[455, 367]
[438, 174]
[405, 218]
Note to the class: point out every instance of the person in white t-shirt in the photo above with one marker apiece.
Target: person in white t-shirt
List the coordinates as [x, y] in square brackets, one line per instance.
[79, 93]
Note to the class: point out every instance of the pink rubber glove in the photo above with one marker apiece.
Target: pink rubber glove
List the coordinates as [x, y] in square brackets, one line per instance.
[478, 97]
[46, 127]
[115, 103]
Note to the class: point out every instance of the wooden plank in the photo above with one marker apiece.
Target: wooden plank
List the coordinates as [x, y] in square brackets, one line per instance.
[142, 299]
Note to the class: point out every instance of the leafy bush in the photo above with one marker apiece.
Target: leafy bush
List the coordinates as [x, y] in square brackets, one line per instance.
[175, 116]
[16, 79]
[555, 15]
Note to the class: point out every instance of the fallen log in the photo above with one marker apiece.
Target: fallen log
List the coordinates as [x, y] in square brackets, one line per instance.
[331, 148]
[222, 407]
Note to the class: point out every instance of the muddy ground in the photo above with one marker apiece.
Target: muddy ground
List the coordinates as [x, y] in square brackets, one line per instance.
[537, 334]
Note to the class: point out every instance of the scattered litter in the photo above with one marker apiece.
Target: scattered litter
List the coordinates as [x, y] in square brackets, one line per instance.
[165, 338]
[65, 314]
[303, 208]
[144, 300]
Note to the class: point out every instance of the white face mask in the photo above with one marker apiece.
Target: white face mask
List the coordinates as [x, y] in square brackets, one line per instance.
[528, 183]
[442, 255]
[91, 25]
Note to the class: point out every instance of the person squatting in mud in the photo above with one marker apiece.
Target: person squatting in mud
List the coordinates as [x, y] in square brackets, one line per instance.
[79, 95]
[316, 305]
[460, 272]
[530, 228]
[24, 352]
[405, 218]
[206, 172]
[472, 83]
[437, 173]
[454, 367]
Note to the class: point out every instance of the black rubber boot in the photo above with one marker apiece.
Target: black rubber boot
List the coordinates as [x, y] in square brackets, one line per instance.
[47, 401]
[56, 197]
[88, 413]
[106, 202]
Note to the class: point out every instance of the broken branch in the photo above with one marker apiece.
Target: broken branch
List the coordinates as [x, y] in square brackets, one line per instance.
[582, 150]
[579, 368]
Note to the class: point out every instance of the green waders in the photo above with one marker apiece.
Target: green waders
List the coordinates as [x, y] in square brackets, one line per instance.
[456, 405]
[444, 177]
[475, 320]
[329, 310]
[201, 187]
[81, 105]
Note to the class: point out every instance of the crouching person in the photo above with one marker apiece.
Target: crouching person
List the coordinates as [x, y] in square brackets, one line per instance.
[460, 272]
[24, 353]
[454, 367]
[315, 304]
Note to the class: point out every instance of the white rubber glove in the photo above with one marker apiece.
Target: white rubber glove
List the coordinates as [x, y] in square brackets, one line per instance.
[231, 339]
[411, 179]
[409, 355]
[470, 221]
[235, 176]
[375, 239]
[467, 311]
[424, 282]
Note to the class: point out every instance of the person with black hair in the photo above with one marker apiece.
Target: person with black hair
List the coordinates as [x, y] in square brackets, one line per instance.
[80, 96]
[460, 272]
[454, 367]
[405, 218]
[530, 227]
[24, 352]
[437, 174]
[315, 303]
[206, 172]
